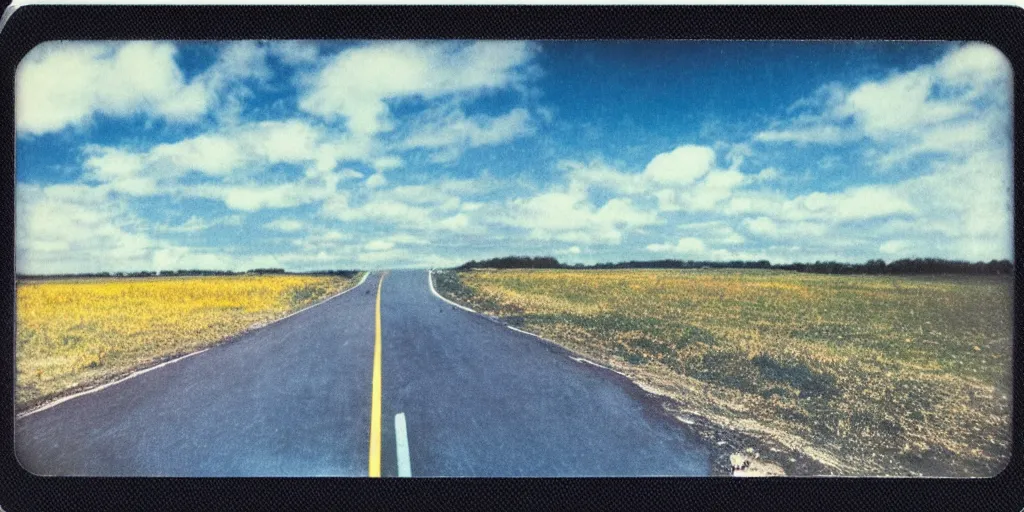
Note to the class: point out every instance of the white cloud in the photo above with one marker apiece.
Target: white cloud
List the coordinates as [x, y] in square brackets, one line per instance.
[705, 195]
[766, 227]
[286, 225]
[257, 197]
[685, 178]
[77, 228]
[570, 217]
[322, 241]
[692, 248]
[457, 222]
[234, 162]
[596, 174]
[61, 84]
[379, 245]
[717, 232]
[407, 239]
[815, 134]
[379, 209]
[681, 166]
[894, 247]
[192, 225]
[356, 83]
[196, 223]
[386, 163]
[686, 245]
[852, 204]
[952, 106]
[768, 174]
[376, 181]
[943, 127]
[855, 203]
[761, 226]
[452, 132]
[384, 246]
[244, 149]
[295, 53]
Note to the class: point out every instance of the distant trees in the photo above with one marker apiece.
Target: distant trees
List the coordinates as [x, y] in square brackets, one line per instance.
[683, 264]
[514, 262]
[183, 272]
[341, 273]
[905, 267]
[195, 272]
[265, 271]
[875, 266]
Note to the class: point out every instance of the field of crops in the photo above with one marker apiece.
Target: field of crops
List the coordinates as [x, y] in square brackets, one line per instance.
[76, 333]
[870, 375]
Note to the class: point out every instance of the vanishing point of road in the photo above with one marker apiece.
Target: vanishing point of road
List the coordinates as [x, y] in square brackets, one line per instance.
[386, 379]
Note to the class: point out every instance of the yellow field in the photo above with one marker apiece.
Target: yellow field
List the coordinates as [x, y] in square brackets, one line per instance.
[76, 333]
[870, 375]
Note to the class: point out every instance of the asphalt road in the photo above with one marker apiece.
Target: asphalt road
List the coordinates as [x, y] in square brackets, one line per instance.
[295, 399]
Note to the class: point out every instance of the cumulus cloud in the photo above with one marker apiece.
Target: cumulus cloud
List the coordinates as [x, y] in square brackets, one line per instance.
[77, 228]
[685, 178]
[945, 107]
[686, 245]
[681, 166]
[61, 84]
[286, 225]
[376, 181]
[222, 153]
[196, 223]
[717, 232]
[295, 53]
[386, 163]
[766, 227]
[357, 83]
[451, 133]
[815, 134]
[894, 247]
[372, 119]
[571, 217]
[234, 164]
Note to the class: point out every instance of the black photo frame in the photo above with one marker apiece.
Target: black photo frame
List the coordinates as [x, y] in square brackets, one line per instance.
[28, 26]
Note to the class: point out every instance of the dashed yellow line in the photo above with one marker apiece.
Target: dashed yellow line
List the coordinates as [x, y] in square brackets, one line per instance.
[375, 400]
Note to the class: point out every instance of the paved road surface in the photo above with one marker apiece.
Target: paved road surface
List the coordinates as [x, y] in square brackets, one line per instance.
[295, 399]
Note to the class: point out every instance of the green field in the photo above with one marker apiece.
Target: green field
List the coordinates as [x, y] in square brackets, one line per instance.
[869, 375]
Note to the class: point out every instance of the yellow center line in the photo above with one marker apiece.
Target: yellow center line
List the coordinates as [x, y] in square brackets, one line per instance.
[375, 403]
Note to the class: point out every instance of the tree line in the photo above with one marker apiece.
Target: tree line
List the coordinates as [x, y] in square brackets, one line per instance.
[906, 266]
[189, 272]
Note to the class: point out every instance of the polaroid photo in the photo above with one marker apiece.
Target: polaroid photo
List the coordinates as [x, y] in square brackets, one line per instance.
[380, 256]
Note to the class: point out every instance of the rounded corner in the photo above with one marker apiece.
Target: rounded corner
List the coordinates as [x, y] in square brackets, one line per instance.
[20, 463]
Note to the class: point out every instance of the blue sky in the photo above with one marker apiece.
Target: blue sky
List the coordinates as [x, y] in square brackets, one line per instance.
[315, 155]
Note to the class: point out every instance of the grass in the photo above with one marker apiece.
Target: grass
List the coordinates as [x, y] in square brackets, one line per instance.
[76, 333]
[870, 375]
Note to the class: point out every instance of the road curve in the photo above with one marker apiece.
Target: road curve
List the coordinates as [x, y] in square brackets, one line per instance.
[294, 399]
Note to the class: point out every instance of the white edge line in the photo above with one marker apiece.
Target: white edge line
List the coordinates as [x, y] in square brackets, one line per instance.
[402, 446]
[165, 363]
[107, 385]
[574, 358]
[587, 361]
[430, 279]
[311, 306]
